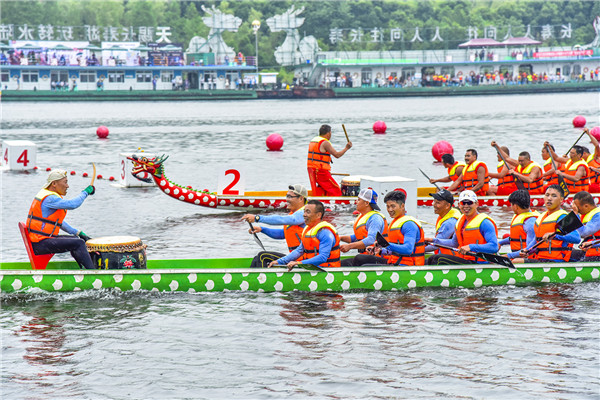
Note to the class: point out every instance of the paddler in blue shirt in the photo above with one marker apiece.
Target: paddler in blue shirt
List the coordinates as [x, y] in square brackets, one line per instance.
[445, 226]
[46, 219]
[293, 224]
[475, 232]
[522, 226]
[584, 205]
[320, 244]
[367, 224]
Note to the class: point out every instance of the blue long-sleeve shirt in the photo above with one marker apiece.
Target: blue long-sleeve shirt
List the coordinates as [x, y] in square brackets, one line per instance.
[590, 228]
[411, 234]
[445, 232]
[53, 202]
[488, 231]
[326, 242]
[374, 224]
[529, 227]
[572, 237]
[297, 218]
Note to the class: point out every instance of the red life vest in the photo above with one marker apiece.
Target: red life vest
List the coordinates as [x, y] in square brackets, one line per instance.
[360, 226]
[41, 228]
[316, 158]
[592, 251]
[508, 181]
[594, 176]
[552, 179]
[582, 184]
[293, 233]
[452, 213]
[311, 243]
[395, 236]
[470, 177]
[556, 249]
[471, 232]
[453, 170]
[518, 236]
[535, 187]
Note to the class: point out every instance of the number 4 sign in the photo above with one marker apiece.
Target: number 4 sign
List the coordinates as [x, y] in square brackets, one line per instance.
[18, 154]
[231, 182]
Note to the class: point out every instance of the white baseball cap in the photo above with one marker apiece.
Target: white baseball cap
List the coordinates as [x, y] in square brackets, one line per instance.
[467, 195]
[55, 175]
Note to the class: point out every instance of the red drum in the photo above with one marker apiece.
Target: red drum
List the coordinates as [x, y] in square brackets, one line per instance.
[117, 252]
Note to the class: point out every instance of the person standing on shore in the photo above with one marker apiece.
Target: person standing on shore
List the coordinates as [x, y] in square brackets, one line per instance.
[318, 164]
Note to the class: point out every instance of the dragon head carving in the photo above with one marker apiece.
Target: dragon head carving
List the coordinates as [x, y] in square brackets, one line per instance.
[142, 166]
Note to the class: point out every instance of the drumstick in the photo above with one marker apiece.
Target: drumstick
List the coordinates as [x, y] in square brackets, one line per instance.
[338, 173]
[93, 175]
[344, 128]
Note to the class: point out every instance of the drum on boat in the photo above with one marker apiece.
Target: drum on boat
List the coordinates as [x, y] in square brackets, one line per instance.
[351, 185]
[117, 252]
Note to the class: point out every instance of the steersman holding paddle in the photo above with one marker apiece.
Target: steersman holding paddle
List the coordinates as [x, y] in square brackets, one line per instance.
[318, 164]
[46, 219]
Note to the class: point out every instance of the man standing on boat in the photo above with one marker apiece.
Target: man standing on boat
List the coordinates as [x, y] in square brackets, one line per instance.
[293, 224]
[405, 236]
[320, 243]
[584, 205]
[454, 168]
[318, 164]
[556, 247]
[522, 226]
[445, 226]
[474, 176]
[576, 173]
[46, 219]
[475, 232]
[367, 224]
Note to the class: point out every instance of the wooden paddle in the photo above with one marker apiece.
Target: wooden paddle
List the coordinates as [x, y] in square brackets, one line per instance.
[345, 132]
[578, 139]
[565, 226]
[518, 181]
[256, 239]
[429, 179]
[561, 180]
[93, 175]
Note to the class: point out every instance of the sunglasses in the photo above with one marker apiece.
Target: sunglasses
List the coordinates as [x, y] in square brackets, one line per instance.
[467, 202]
[291, 197]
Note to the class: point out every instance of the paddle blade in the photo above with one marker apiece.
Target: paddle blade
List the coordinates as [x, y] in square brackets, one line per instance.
[496, 259]
[568, 224]
[311, 267]
[381, 240]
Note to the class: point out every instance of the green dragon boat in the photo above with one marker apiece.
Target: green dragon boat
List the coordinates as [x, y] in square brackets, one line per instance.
[234, 274]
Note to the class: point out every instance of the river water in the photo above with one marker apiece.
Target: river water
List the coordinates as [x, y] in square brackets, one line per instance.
[508, 342]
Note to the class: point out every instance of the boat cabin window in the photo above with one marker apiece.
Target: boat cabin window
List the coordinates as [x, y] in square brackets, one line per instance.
[576, 69]
[116, 76]
[566, 71]
[4, 76]
[30, 76]
[166, 76]
[87, 76]
[59, 76]
[143, 76]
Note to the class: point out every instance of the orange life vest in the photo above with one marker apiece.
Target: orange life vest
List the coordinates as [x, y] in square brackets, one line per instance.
[452, 213]
[556, 249]
[582, 184]
[41, 228]
[508, 180]
[316, 158]
[293, 233]
[594, 176]
[360, 226]
[552, 179]
[395, 236]
[470, 177]
[518, 236]
[592, 251]
[471, 232]
[453, 170]
[535, 187]
[311, 243]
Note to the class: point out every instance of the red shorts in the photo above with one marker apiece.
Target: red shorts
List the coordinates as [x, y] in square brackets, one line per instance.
[322, 183]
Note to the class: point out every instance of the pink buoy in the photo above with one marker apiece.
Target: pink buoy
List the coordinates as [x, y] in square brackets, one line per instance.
[595, 131]
[440, 148]
[274, 142]
[379, 127]
[579, 121]
[102, 132]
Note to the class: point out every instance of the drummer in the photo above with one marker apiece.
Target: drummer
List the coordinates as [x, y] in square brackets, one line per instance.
[367, 224]
[318, 164]
[293, 224]
[46, 219]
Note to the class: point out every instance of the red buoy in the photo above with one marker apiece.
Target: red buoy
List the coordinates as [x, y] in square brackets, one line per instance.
[595, 131]
[72, 172]
[579, 121]
[440, 148]
[112, 178]
[48, 169]
[379, 127]
[85, 175]
[274, 142]
[99, 177]
[102, 132]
